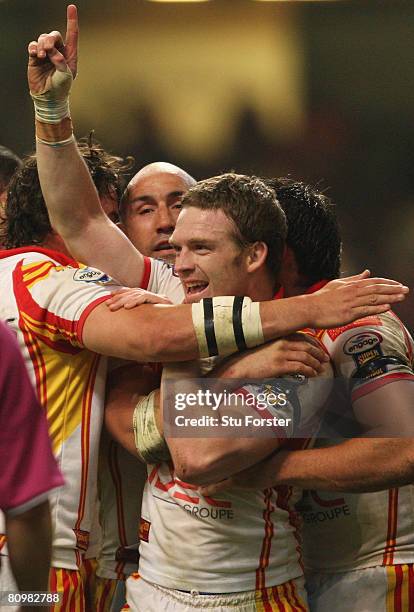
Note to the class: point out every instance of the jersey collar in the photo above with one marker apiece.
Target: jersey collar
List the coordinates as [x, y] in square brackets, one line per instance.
[61, 258]
[315, 287]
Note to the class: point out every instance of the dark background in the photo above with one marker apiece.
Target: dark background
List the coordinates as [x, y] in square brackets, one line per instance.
[323, 91]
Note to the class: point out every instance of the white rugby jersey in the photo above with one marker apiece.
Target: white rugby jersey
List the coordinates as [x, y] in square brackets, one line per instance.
[344, 531]
[119, 470]
[45, 299]
[159, 277]
[120, 497]
[237, 541]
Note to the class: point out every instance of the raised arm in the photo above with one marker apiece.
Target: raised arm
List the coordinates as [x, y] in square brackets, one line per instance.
[70, 195]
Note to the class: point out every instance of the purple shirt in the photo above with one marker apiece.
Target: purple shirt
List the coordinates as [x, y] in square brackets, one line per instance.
[28, 468]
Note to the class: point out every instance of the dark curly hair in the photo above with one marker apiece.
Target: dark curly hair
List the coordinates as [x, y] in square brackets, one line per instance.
[313, 231]
[26, 220]
[251, 205]
[9, 163]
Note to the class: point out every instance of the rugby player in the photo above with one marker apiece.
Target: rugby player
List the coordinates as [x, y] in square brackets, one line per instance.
[148, 210]
[239, 551]
[28, 223]
[358, 515]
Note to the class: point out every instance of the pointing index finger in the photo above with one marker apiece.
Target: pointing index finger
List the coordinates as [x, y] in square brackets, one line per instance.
[72, 26]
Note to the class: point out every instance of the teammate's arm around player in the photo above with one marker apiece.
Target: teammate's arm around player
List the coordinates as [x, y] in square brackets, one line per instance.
[204, 459]
[358, 465]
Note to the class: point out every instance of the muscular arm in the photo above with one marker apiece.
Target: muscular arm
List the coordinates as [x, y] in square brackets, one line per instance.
[356, 465]
[167, 333]
[206, 459]
[198, 460]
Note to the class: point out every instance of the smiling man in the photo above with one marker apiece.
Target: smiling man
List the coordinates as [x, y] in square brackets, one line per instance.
[240, 551]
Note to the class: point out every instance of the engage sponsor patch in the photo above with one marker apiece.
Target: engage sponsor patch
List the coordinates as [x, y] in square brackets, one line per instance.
[362, 342]
[92, 275]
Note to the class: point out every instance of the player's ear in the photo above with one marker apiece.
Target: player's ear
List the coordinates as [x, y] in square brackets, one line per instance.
[256, 256]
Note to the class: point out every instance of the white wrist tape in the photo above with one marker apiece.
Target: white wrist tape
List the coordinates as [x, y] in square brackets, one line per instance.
[225, 325]
[149, 443]
[52, 104]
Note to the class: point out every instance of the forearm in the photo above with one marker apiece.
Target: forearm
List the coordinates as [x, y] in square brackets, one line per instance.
[67, 187]
[282, 317]
[29, 538]
[206, 460]
[356, 465]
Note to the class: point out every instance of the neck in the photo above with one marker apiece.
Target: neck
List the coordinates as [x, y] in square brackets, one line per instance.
[296, 289]
[262, 289]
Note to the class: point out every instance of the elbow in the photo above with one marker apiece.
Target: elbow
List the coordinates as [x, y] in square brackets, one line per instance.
[193, 475]
[199, 470]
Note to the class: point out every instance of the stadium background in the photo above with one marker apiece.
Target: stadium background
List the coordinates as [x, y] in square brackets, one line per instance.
[323, 91]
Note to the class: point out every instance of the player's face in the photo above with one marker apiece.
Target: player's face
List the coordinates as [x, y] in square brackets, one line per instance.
[208, 261]
[154, 204]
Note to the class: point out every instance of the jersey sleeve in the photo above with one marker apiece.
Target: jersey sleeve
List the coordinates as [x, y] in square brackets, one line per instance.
[371, 353]
[54, 301]
[159, 277]
[29, 470]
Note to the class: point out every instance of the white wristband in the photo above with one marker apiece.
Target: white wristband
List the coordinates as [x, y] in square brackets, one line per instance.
[149, 443]
[225, 325]
[52, 105]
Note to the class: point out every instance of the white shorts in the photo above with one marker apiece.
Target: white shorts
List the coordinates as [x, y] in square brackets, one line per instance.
[374, 589]
[143, 596]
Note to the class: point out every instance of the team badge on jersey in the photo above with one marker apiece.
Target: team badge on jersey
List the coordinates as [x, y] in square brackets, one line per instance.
[92, 275]
[144, 529]
[366, 351]
[82, 538]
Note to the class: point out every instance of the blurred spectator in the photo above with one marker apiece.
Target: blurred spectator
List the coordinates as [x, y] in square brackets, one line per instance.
[29, 470]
